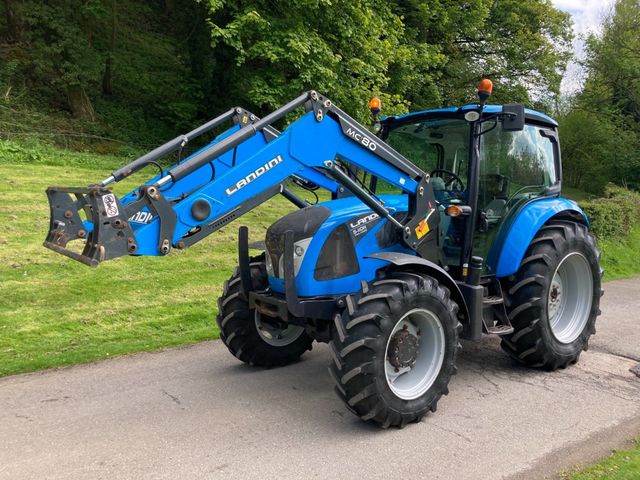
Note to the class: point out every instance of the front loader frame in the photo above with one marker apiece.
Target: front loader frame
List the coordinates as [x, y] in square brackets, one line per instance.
[180, 222]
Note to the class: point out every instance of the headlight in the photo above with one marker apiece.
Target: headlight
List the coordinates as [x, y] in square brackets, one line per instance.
[299, 251]
[269, 265]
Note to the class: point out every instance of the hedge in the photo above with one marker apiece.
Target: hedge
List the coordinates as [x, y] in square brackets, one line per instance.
[614, 215]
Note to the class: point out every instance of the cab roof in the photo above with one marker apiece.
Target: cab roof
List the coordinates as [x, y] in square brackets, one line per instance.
[529, 114]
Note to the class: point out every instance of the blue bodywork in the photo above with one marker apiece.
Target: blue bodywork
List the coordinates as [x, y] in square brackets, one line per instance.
[512, 243]
[343, 211]
[302, 150]
[533, 114]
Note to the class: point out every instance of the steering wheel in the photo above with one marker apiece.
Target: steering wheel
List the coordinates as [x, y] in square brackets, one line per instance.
[453, 180]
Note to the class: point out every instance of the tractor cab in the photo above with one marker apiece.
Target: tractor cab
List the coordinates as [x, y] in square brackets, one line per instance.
[459, 149]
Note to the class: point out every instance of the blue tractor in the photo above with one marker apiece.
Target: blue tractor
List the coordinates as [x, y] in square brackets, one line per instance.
[444, 224]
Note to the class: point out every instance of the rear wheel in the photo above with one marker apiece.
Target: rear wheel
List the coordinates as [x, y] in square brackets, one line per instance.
[253, 338]
[395, 349]
[553, 300]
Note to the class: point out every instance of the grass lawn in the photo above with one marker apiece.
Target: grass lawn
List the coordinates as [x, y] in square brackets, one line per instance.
[620, 257]
[55, 311]
[621, 465]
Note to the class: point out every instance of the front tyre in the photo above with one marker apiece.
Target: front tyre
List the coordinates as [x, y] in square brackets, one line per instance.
[395, 349]
[553, 299]
[250, 337]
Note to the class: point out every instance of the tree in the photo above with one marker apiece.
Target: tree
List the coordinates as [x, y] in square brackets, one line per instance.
[107, 78]
[418, 52]
[522, 46]
[165, 64]
[613, 63]
[272, 51]
[587, 154]
[610, 101]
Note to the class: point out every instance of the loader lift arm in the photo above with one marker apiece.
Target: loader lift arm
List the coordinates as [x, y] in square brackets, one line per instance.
[237, 172]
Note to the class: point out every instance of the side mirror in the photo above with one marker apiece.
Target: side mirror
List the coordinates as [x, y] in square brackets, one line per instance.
[513, 117]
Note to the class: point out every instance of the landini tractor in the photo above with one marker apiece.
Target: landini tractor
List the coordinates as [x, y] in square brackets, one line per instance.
[444, 224]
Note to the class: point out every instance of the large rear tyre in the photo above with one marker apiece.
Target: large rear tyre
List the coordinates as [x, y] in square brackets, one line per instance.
[251, 338]
[395, 349]
[553, 299]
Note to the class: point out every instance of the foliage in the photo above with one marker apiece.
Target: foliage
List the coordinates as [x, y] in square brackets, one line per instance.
[141, 71]
[592, 148]
[346, 50]
[522, 46]
[614, 215]
[64, 51]
[600, 133]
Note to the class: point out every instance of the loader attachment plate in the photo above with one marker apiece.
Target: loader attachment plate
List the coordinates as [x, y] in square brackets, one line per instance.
[106, 231]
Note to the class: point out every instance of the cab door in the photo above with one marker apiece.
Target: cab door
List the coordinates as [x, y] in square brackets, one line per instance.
[516, 167]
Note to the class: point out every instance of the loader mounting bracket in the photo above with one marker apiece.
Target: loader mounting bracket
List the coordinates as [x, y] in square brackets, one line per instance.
[106, 231]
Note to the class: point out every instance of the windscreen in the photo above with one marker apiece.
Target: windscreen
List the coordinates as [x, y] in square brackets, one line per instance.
[434, 144]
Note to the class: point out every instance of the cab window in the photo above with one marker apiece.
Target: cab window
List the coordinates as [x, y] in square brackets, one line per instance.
[515, 167]
[436, 145]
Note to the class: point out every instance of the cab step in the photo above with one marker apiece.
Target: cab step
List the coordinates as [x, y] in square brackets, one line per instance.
[492, 300]
[500, 330]
[494, 314]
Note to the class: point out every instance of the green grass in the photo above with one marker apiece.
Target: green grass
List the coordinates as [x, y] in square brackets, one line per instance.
[55, 311]
[621, 465]
[620, 257]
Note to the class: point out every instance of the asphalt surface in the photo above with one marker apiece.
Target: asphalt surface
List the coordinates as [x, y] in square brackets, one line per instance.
[198, 413]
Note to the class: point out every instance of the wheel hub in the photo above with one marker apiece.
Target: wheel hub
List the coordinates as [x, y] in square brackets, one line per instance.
[555, 295]
[274, 335]
[403, 349]
[414, 354]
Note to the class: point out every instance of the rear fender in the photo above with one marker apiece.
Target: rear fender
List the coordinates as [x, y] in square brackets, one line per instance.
[512, 243]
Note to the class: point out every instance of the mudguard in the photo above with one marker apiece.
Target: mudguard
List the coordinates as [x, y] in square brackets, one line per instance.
[434, 270]
[513, 241]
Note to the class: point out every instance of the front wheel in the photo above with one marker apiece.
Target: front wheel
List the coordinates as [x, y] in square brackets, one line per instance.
[252, 338]
[553, 299]
[395, 349]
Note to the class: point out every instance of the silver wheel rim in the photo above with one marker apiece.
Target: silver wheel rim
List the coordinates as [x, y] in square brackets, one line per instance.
[277, 337]
[570, 297]
[410, 383]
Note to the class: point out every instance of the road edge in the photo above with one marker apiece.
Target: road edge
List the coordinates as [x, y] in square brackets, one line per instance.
[586, 451]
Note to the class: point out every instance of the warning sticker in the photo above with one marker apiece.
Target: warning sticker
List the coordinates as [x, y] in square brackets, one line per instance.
[110, 205]
[423, 227]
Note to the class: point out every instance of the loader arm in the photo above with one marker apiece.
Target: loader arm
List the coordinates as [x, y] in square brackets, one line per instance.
[245, 166]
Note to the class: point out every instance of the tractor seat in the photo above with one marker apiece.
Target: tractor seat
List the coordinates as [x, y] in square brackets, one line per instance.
[496, 208]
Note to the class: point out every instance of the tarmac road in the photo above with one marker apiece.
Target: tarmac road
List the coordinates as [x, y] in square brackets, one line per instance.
[198, 413]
